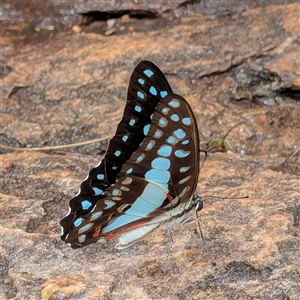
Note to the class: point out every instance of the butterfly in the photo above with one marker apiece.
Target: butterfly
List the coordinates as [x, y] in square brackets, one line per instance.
[149, 173]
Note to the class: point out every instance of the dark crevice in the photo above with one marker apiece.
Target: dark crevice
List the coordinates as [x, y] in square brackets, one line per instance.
[93, 16]
[189, 2]
[16, 89]
[288, 92]
[4, 68]
[296, 214]
[7, 141]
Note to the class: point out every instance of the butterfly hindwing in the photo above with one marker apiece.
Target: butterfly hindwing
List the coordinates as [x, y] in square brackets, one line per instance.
[146, 87]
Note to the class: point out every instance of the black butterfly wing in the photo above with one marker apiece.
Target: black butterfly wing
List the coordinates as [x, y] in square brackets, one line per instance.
[146, 87]
[169, 154]
[158, 180]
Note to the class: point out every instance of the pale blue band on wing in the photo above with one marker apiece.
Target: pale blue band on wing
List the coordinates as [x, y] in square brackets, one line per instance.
[152, 197]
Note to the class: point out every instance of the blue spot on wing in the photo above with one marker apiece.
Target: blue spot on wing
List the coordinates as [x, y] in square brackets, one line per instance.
[146, 129]
[109, 204]
[100, 176]
[187, 121]
[174, 103]
[174, 117]
[161, 163]
[154, 194]
[150, 145]
[85, 227]
[96, 215]
[116, 192]
[163, 94]
[125, 138]
[140, 207]
[97, 191]
[148, 73]
[138, 108]
[78, 221]
[181, 153]
[129, 171]
[184, 169]
[85, 204]
[184, 180]
[117, 153]
[140, 95]
[159, 176]
[158, 133]
[165, 110]
[179, 133]
[132, 122]
[164, 150]
[81, 238]
[171, 140]
[140, 158]
[162, 122]
[153, 91]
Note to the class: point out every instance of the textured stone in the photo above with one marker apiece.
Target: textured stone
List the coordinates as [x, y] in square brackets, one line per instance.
[72, 88]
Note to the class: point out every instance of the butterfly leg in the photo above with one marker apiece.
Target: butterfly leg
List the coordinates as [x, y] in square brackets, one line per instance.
[170, 235]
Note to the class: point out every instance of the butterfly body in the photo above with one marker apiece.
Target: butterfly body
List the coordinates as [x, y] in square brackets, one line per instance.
[149, 174]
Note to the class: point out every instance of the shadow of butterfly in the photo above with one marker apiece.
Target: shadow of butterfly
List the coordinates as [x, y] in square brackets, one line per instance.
[149, 173]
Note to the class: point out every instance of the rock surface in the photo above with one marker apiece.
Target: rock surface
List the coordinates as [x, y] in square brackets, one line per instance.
[72, 88]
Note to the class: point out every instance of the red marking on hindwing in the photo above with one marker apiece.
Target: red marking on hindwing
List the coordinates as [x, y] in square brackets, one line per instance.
[110, 235]
[170, 197]
[97, 231]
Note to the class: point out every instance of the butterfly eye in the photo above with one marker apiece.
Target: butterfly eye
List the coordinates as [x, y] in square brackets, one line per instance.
[199, 203]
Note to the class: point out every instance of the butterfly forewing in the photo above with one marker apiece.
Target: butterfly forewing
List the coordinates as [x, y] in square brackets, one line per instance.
[146, 87]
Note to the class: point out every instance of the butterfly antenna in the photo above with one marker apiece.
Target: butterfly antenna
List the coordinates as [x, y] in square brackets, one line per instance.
[205, 152]
[232, 128]
[295, 153]
[201, 166]
[230, 198]
[197, 219]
